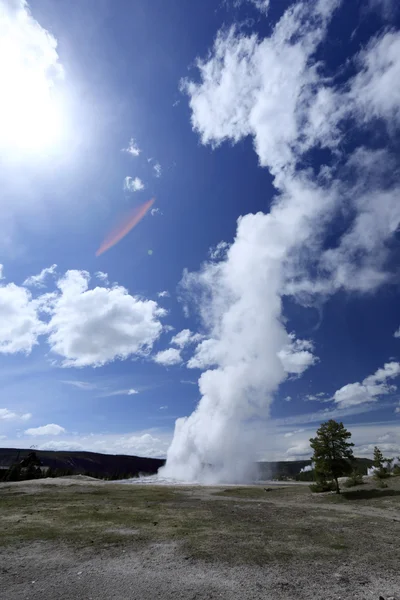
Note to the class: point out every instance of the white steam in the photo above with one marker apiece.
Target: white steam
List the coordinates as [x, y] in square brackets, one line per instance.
[272, 90]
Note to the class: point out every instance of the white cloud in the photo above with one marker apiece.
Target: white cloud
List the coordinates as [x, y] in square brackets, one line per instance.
[50, 429]
[20, 325]
[372, 90]
[185, 338]
[133, 185]
[292, 433]
[28, 61]
[370, 389]
[219, 251]
[163, 407]
[299, 451]
[397, 409]
[132, 149]
[103, 277]
[1, 272]
[397, 333]
[81, 385]
[205, 355]
[126, 392]
[94, 327]
[261, 5]
[156, 211]
[288, 399]
[9, 415]
[157, 170]
[164, 294]
[168, 357]
[61, 446]
[297, 356]
[273, 90]
[39, 280]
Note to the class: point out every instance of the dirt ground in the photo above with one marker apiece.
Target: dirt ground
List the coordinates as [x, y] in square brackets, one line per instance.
[78, 538]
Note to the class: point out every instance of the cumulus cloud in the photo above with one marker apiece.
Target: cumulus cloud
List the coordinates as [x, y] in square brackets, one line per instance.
[185, 338]
[91, 327]
[297, 356]
[157, 170]
[50, 429]
[20, 325]
[9, 415]
[272, 90]
[164, 294]
[133, 184]
[397, 333]
[370, 389]
[169, 357]
[132, 149]
[39, 280]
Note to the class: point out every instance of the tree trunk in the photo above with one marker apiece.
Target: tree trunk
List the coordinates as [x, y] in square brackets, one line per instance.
[337, 486]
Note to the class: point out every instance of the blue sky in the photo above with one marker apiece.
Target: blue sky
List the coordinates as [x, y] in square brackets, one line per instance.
[285, 114]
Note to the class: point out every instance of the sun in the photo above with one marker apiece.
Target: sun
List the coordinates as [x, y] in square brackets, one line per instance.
[31, 118]
[31, 107]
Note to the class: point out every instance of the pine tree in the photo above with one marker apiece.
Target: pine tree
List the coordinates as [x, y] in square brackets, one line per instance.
[332, 451]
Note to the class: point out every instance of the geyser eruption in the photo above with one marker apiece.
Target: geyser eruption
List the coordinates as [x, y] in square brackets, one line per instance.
[275, 90]
[240, 300]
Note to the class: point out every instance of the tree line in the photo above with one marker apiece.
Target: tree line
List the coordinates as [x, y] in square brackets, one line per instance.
[31, 467]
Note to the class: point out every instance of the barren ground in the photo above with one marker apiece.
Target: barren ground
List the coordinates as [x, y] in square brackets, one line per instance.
[82, 539]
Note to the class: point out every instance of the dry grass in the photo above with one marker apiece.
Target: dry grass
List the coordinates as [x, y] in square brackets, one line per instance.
[201, 543]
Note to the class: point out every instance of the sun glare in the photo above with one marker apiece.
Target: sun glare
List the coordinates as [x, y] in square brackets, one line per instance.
[31, 114]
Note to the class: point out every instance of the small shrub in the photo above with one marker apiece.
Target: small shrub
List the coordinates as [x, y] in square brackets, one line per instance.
[322, 486]
[354, 479]
[396, 470]
[382, 484]
[380, 474]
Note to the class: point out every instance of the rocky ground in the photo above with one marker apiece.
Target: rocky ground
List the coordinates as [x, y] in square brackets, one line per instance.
[80, 538]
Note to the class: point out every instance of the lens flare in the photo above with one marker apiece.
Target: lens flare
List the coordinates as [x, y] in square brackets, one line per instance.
[122, 230]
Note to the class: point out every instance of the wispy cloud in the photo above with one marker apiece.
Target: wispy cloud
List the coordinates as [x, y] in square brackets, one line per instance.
[103, 277]
[125, 392]
[132, 149]
[157, 170]
[39, 280]
[81, 385]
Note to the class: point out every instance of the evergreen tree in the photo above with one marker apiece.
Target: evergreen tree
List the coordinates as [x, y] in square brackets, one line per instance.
[332, 452]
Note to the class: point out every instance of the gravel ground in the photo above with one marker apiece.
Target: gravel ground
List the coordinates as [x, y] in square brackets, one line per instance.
[93, 540]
